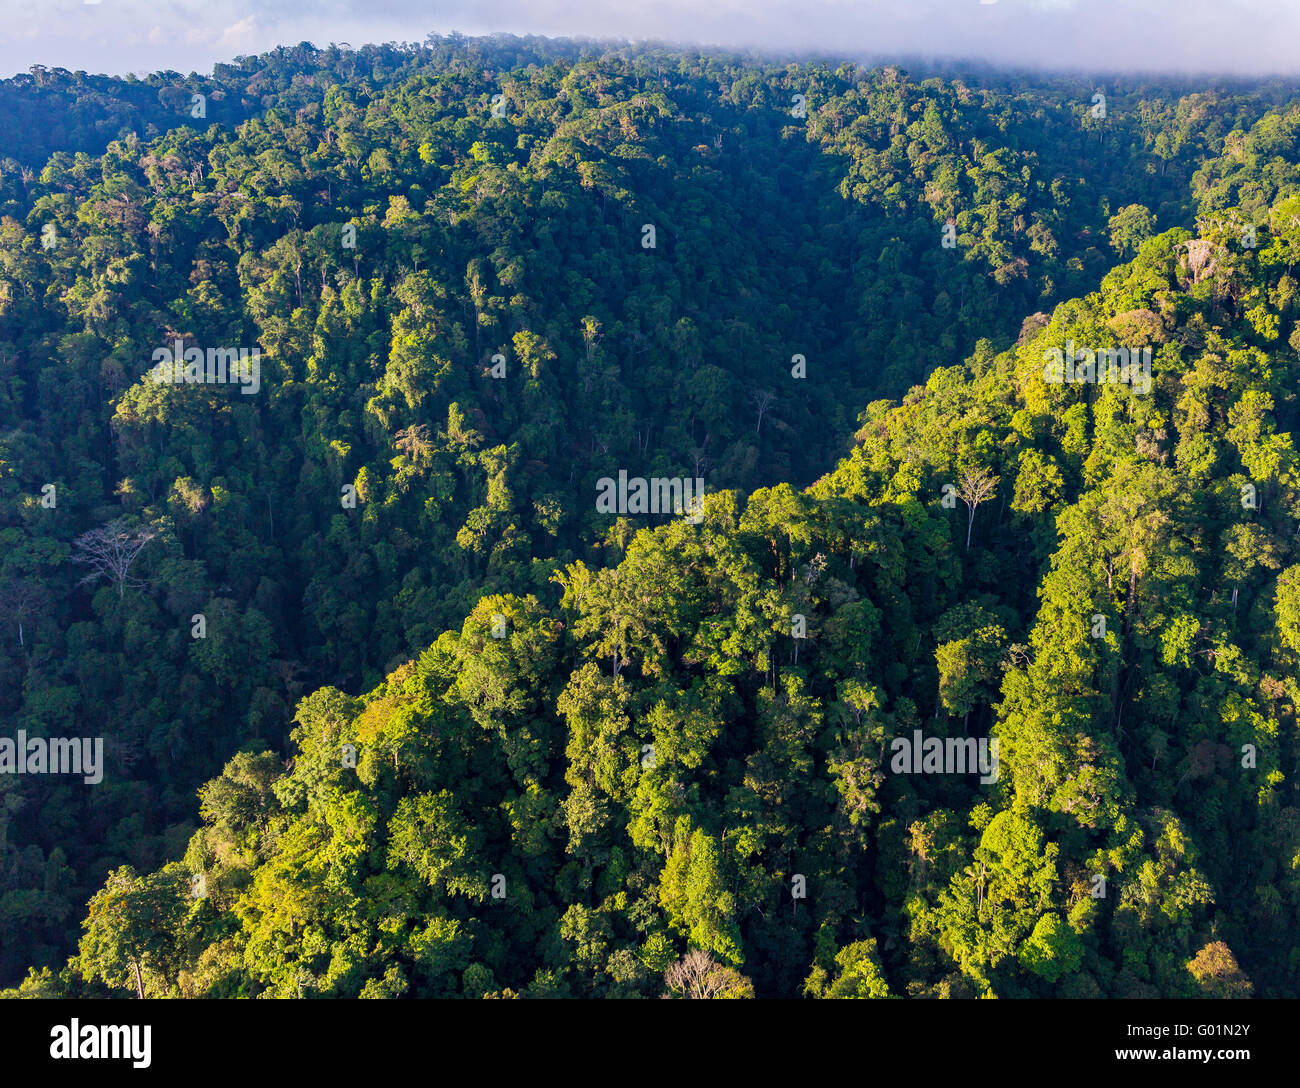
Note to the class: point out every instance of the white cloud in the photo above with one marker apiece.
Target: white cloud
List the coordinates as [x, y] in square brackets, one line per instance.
[1245, 36]
[242, 33]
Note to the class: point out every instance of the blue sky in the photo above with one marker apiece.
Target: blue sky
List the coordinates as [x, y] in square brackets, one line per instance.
[1231, 36]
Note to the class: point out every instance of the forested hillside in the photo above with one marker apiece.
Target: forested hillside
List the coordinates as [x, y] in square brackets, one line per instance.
[447, 729]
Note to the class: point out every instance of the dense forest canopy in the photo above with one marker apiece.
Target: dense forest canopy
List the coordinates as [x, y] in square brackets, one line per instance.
[390, 705]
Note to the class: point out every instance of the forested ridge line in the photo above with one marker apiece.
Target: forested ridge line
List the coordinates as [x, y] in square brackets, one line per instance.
[647, 757]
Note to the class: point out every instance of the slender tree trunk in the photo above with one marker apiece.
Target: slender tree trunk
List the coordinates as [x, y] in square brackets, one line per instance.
[139, 983]
[1117, 685]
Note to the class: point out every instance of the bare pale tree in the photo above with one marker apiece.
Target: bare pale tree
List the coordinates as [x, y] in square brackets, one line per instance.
[110, 551]
[19, 600]
[414, 441]
[975, 486]
[699, 976]
[1202, 258]
[762, 401]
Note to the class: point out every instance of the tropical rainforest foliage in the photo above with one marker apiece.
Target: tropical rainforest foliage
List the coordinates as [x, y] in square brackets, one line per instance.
[448, 729]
